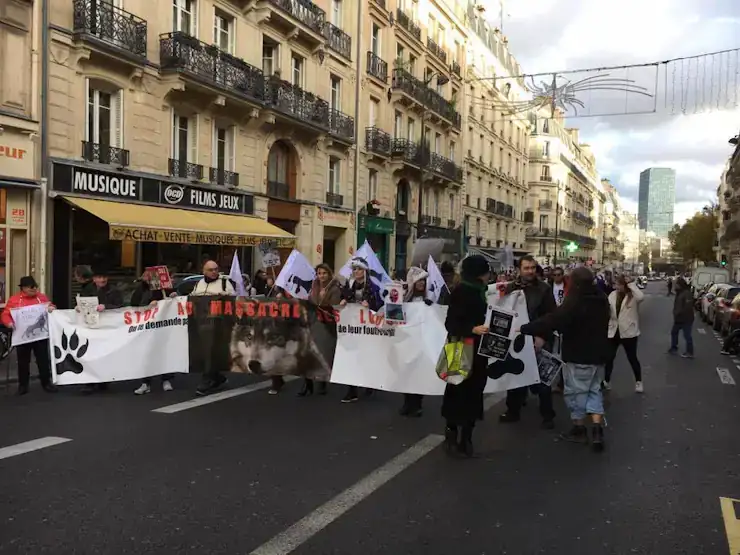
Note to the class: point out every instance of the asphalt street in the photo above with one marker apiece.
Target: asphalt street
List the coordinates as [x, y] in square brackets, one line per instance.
[268, 475]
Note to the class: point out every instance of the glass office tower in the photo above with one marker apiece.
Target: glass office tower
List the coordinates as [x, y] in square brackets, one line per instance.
[657, 198]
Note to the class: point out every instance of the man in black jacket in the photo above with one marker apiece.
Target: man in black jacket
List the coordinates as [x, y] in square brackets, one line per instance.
[583, 321]
[539, 303]
[683, 318]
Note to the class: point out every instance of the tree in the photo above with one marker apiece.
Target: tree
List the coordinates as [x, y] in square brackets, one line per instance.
[695, 239]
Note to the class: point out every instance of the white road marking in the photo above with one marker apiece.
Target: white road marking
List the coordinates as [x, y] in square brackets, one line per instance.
[725, 376]
[735, 361]
[310, 525]
[701, 331]
[215, 397]
[33, 445]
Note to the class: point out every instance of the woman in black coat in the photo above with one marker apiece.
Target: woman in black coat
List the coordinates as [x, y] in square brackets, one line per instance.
[463, 403]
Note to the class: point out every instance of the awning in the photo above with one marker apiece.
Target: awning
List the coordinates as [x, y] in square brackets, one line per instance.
[19, 182]
[486, 253]
[154, 224]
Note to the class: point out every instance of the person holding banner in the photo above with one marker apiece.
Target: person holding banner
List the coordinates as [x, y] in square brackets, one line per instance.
[29, 295]
[360, 289]
[462, 406]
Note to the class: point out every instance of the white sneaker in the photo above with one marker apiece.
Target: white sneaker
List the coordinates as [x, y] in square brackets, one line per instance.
[606, 386]
[638, 387]
[143, 389]
[167, 385]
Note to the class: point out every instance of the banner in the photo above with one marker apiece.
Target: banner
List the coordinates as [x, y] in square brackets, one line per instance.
[125, 344]
[264, 336]
[296, 276]
[31, 323]
[377, 273]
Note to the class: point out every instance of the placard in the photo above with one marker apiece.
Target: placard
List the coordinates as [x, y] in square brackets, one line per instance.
[494, 346]
[270, 259]
[549, 367]
[159, 278]
[87, 311]
[30, 323]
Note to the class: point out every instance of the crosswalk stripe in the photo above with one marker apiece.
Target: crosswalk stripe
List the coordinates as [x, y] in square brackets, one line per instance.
[29, 446]
[731, 516]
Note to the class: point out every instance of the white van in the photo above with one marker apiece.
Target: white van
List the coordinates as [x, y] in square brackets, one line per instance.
[709, 274]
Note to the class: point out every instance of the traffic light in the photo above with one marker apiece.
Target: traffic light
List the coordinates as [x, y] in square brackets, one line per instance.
[724, 260]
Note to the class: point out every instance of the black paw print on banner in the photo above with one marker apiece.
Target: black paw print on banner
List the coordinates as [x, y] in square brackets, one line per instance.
[509, 365]
[67, 358]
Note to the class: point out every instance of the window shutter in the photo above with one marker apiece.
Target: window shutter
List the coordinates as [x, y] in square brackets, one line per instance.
[117, 127]
[194, 18]
[173, 134]
[231, 148]
[193, 139]
[88, 115]
[214, 144]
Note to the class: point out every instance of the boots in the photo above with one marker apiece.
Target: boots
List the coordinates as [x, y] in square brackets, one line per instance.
[307, 388]
[597, 438]
[451, 434]
[323, 388]
[465, 446]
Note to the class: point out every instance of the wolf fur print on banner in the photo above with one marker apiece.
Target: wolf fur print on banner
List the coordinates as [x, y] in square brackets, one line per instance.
[272, 337]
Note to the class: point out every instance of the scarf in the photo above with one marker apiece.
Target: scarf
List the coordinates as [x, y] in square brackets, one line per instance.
[620, 300]
[481, 287]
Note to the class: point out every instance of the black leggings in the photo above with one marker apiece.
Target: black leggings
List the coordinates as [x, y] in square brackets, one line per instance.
[630, 349]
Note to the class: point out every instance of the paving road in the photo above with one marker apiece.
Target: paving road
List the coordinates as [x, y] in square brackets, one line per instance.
[263, 475]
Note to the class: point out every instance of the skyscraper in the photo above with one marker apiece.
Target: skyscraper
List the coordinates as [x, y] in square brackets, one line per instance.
[656, 201]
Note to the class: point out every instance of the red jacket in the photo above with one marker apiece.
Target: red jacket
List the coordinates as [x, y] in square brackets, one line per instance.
[20, 300]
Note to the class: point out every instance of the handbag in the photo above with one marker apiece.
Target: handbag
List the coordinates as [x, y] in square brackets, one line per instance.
[456, 360]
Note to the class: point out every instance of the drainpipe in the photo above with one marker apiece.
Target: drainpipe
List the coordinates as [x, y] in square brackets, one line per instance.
[358, 135]
[44, 193]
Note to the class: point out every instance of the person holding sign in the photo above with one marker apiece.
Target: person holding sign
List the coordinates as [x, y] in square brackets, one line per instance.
[30, 296]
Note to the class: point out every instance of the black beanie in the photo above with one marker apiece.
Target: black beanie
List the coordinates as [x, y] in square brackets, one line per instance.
[473, 267]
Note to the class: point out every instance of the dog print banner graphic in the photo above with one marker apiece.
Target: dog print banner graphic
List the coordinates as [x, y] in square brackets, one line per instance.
[31, 323]
[126, 344]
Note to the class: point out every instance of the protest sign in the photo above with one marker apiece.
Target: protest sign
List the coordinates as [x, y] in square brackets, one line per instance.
[159, 278]
[549, 367]
[30, 323]
[270, 259]
[126, 344]
[88, 314]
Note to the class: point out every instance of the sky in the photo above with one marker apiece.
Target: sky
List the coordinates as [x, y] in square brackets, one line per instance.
[554, 35]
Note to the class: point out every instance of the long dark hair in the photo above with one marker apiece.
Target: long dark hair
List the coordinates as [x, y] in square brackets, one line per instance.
[316, 285]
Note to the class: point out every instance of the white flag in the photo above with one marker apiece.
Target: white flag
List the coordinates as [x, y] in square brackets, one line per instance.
[235, 275]
[297, 276]
[435, 281]
[378, 275]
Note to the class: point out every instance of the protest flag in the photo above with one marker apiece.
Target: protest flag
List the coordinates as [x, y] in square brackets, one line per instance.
[235, 275]
[297, 276]
[435, 281]
[378, 275]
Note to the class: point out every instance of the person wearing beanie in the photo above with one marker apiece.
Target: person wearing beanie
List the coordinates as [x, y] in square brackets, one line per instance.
[30, 295]
[84, 277]
[462, 406]
[447, 269]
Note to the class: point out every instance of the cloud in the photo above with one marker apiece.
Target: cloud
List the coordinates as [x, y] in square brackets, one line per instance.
[549, 35]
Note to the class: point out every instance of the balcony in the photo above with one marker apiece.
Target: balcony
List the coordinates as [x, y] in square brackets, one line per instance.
[410, 152]
[186, 170]
[339, 41]
[545, 205]
[376, 67]
[528, 217]
[490, 205]
[405, 22]
[431, 220]
[105, 154]
[341, 125]
[436, 50]
[455, 69]
[110, 28]
[445, 168]
[223, 177]
[297, 104]
[380, 3]
[276, 189]
[541, 232]
[500, 208]
[451, 224]
[377, 141]
[303, 12]
[417, 90]
[546, 178]
[508, 211]
[334, 199]
[211, 66]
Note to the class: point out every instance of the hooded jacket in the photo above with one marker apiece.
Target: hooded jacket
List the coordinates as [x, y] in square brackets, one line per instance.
[19, 300]
[583, 322]
[412, 276]
[370, 293]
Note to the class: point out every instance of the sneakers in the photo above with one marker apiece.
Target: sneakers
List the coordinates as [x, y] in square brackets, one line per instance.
[639, 388]
[725, 352]
[577, 434]
[143, 389]
[606, 386]
[50, 388]
[597, 438]
[211, 386]
[167, 385]
[508, 417]
[350, 397]
[687, 355]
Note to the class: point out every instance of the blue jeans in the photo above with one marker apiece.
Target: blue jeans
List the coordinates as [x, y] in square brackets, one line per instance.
[686, 329]
[582, 391]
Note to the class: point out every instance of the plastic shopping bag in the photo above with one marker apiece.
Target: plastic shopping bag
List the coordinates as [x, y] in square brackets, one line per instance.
[456, 360]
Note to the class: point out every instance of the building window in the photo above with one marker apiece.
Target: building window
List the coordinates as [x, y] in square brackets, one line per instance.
[546, 173]
[334, 175]
[412, 64]
[546, 126]
[400, 55]
[374, 111]
[546, 149]
[372, 185]
[453, 147]
[104, 117]
[269, 56]
[277, 163]
[398, 125]
[297, 70]
[184, 16]
[336, 93]
[438, 143]
[184, 138]
[411, 130]
[375, 40]
[477, 227]
[436, 204]
[452, 206]
[223, 31]
[223, 147]
[336, 13]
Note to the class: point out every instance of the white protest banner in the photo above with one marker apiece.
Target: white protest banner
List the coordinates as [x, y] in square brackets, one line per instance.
[127, 344]
[297, 276]
[31, 323]
[377, 273]
[435, 281]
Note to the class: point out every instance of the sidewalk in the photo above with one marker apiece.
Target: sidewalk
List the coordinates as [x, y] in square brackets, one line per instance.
[9, 370]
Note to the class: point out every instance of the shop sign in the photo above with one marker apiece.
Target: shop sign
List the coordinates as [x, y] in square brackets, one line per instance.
[148, 235]
[17, 156]
[179, 195]
[334, 218]
[94, 183]
[376, 225]
[18, 216]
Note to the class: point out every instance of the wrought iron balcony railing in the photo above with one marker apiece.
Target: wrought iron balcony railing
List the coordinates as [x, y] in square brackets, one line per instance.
[508, 211]
[376, 67]
[111, 25]
[293, 101]
[416, 155]
[407, 23]
[528, 217]
[105, 154]
[187, 170]
[547, 178]
[541, 232]
[380, 3]
[455, 68]
[447, 168]
[338, 40]
[223, 177]
[304, 11]
[500, 208]
[409, 152]
[378, 141]
[437, 50]
[334, 199]
[277, 189]
[181, 52]
[490, 205]
[341, 125]
[416, 89]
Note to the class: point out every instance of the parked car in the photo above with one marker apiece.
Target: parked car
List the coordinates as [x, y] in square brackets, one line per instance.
[707, 299]
[730, 317]
[720, 303]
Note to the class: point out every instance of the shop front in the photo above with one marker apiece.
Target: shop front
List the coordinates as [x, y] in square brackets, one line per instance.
[337, 241]
[127, 221]
[377, 231]
[17, 186]
[286, 216]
